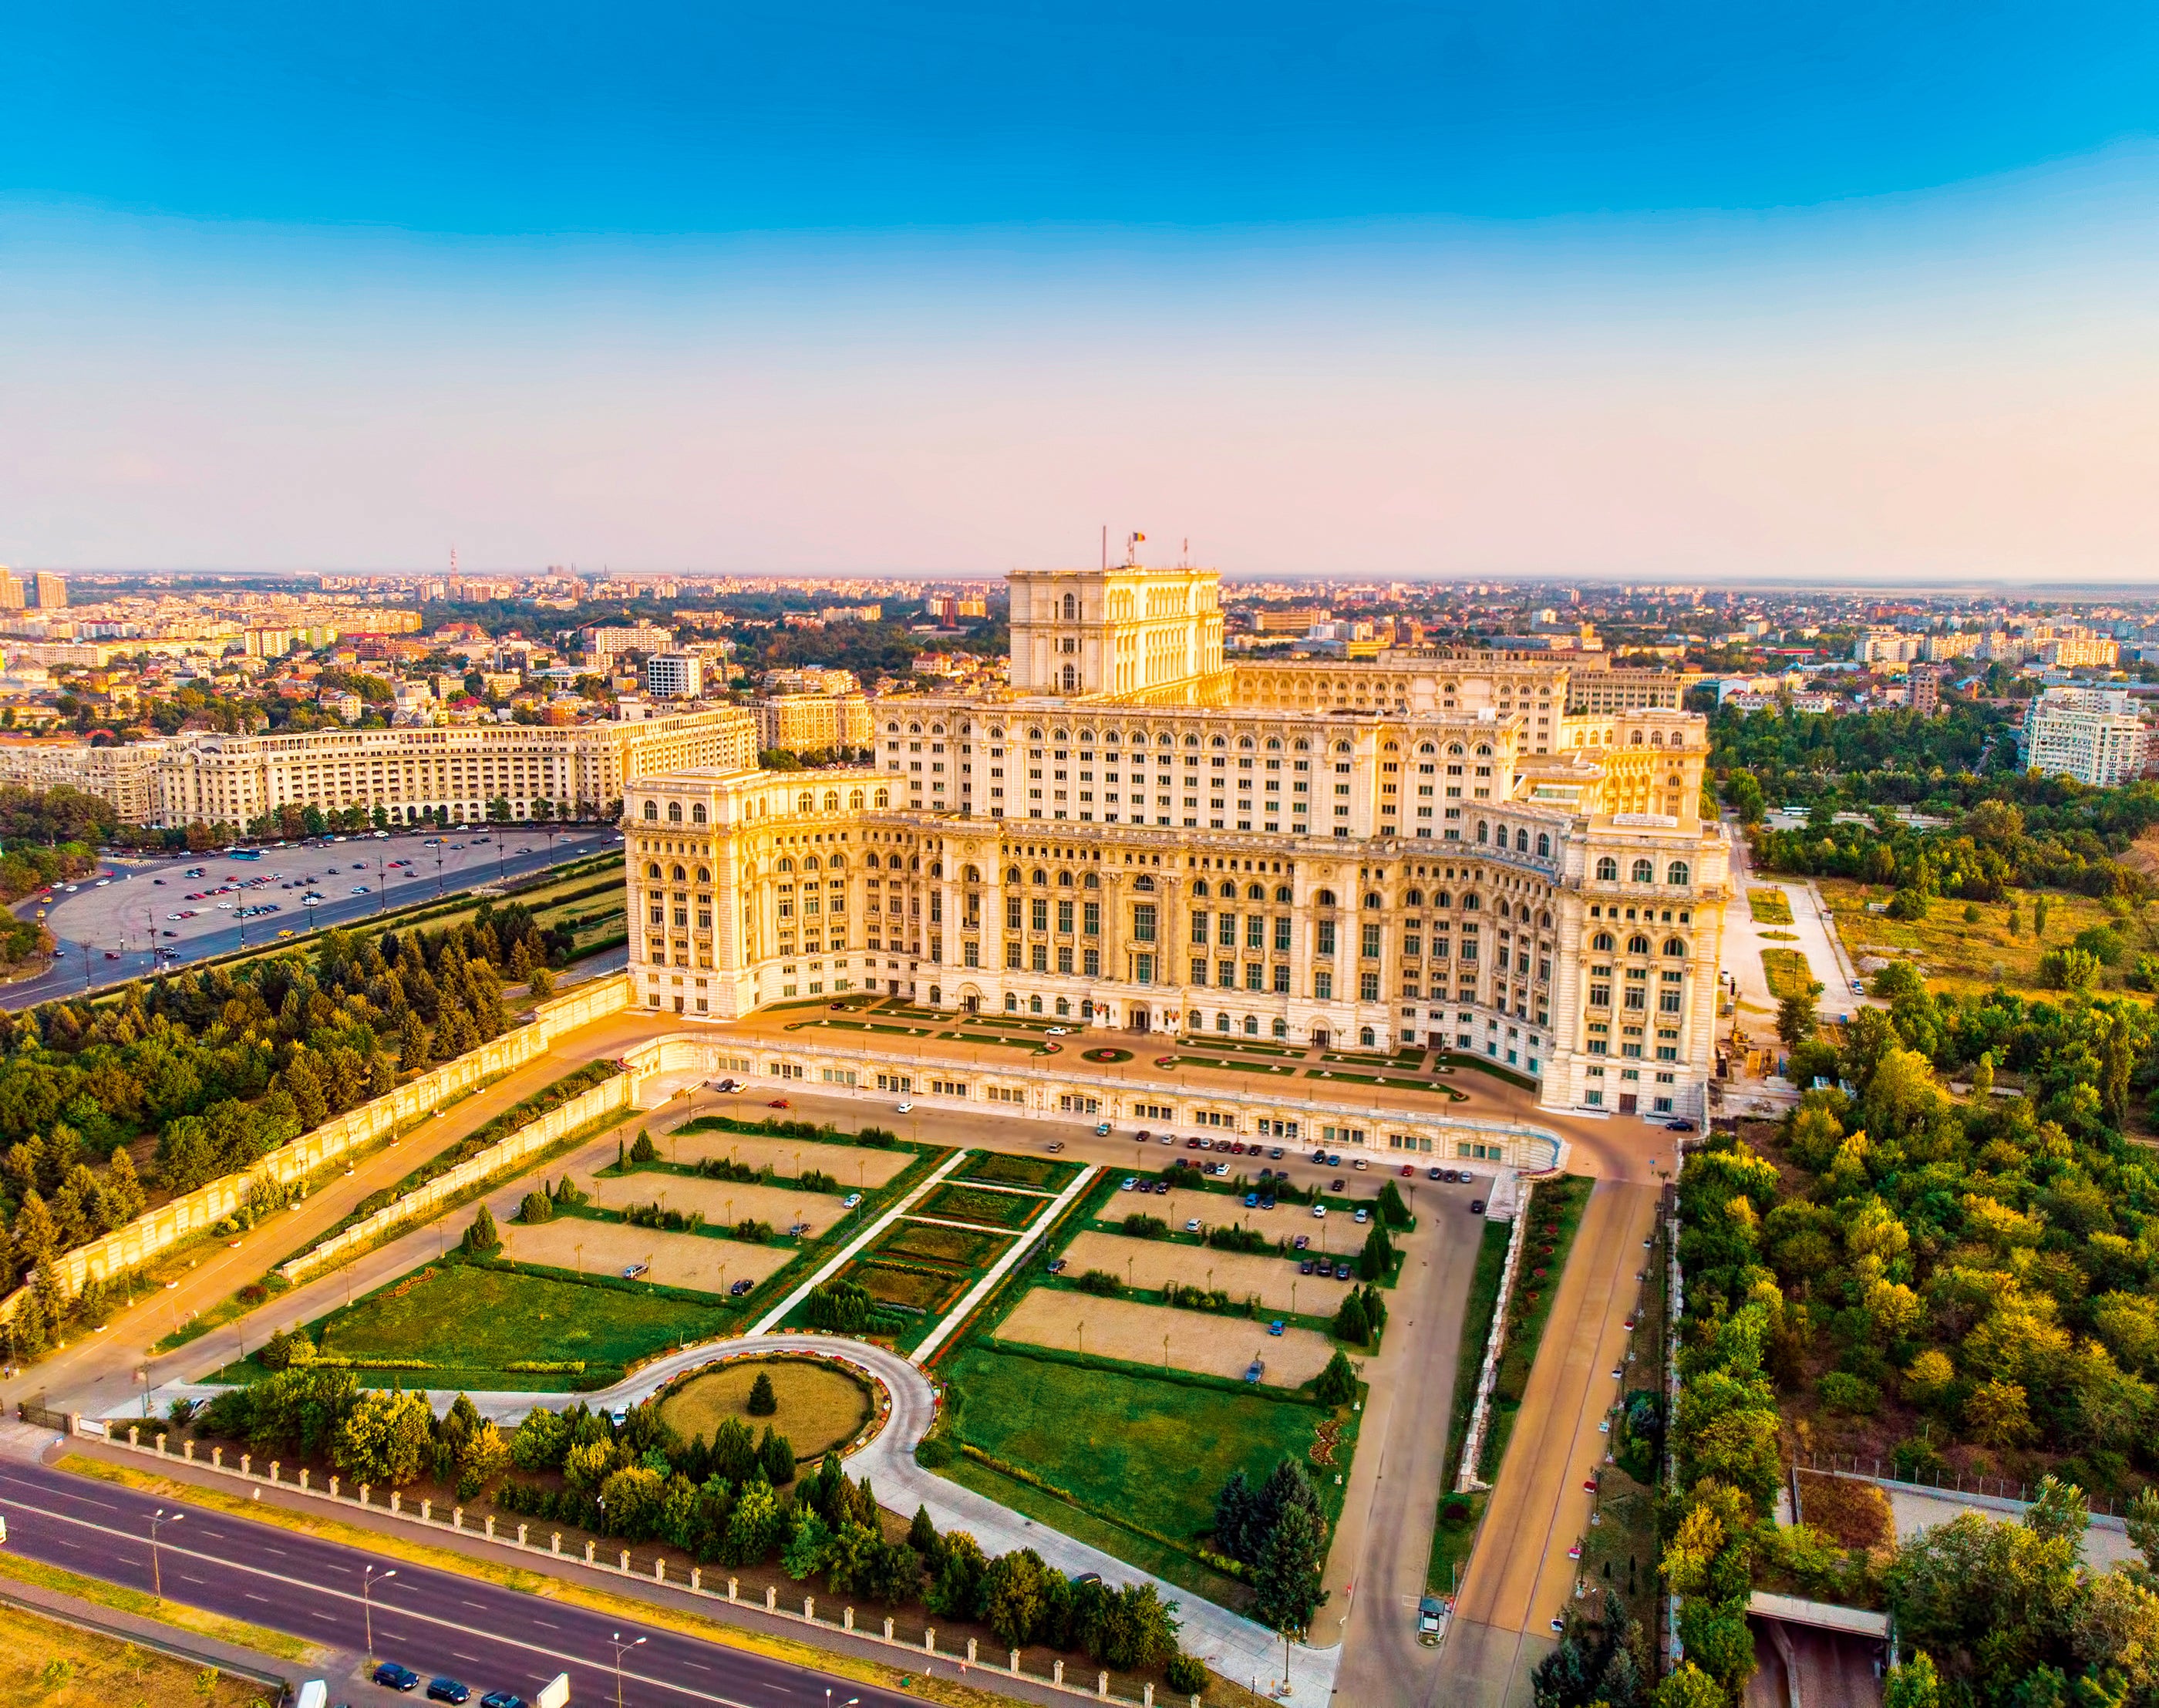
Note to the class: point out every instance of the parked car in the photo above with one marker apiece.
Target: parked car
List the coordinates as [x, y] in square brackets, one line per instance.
[1056, 1145]
[1319, 1212]
[1193, 1225]
[851, 1200]
[1058, 1031]
[1301, 1242]
[1439, 1174]
[1161, 1186]
[1477, 1207]
[1428, 1619]
[1275, 1153]
[902, 1109]
[448, 1690]
[1343, 1271]
[1057, 1265]
[1361, 1163]
[397, 1677]
[1679, 1127]
[1129, 1183]
[1255, 1370]
[630, 1271]
[502, 1698]
[1275, 1326]
[1363, 1215]
[1339, 1186]
[739, 1288]
[1101, 1130]
[1251, 1200]
[777, 1103]
[1409, 1170]
[1191, 1144]
[1305, 1267]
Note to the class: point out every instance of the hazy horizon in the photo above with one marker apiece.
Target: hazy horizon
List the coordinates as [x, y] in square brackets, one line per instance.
[1846, 297]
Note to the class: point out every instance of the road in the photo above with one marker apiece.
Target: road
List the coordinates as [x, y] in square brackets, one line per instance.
[434, 1621]
[116, 918]
[1519, 1578]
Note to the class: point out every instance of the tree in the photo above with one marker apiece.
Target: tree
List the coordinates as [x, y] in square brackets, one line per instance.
[1350, 1323]
[1393, 1212]
[775, 1455]
[956, 1592]
[1336, 1384]
[1796, 1018]
[1377, 1257]
[1235, 1509]
[1012, 1597]
[921, 1536]
[763, 1401]
[387, 1437]
[482, 1239]
[1286, 1577]
[1914, 1684]
[1690, 1687]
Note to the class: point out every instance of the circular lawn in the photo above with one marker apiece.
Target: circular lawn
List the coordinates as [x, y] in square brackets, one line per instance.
[820, 1407]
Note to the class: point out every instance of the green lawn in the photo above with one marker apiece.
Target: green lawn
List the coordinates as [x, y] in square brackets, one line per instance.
[1003, 1168]
[472, 1320]
[1153, 1453]
[1769, 907]
[1450, 1542]
[1787, 972]
[965, 1203]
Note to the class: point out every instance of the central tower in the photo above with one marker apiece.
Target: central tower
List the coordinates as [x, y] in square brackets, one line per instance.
[1126, 632]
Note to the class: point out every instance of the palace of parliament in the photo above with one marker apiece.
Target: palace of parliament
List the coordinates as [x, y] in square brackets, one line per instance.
[1431, 851]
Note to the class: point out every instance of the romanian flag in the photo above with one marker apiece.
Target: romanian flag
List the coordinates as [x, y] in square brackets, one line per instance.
[1138, 538]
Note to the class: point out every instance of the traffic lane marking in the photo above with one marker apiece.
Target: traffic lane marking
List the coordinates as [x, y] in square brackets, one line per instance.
[504, 1638]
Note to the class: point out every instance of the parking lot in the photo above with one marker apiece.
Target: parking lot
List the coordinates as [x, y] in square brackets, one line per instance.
[187, 906]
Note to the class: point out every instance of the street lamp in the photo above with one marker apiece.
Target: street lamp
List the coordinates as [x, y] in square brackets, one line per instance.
[157, 1578]
[366, 1605]
[621, 1648]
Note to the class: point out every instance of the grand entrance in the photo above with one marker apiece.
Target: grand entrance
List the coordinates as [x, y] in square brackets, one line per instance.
[1140, 1019]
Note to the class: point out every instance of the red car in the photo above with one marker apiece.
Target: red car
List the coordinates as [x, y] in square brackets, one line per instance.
[777, 1103]
[1589, 1482]
[1409, 1170]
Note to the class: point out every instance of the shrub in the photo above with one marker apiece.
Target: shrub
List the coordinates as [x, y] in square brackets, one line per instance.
[1907, 905]
[2101, 943]
[1185, 1673]
[842, 1306]
[1393, 1212]
[1841, 1391]
[537, 1207]
[644, 1151]
[1336, 1384]
[482, 1239]
[1101, 1281]
[763, 1401]
[1142, 1226]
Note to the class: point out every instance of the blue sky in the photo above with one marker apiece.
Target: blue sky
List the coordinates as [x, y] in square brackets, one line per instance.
[1547, 288]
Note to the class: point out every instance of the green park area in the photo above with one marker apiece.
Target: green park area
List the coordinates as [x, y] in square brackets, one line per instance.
[1970, 947]
[1769, 906]
[475, 1325]
[1787, 973]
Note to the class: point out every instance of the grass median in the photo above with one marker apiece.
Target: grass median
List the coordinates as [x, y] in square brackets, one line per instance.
[1555, 1210]
[1454, 1531]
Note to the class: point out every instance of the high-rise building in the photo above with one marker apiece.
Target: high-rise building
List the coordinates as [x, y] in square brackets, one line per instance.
[812, 723]
[2094, 735]
[1431, 851]
[602, 646]
[11, 591]
[51, 591]
[674, 675]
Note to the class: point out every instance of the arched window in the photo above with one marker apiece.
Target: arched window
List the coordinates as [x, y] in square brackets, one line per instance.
[1012, 874]
[673, 812]
[1544, 922]
[1092, 881]
[1245, 743]
[1607, 870]
[1040, 877]
[1366, 1037]
[1325, 898]
[1192, 741]
[1413, 899]
[937, 868]
[1282, 1028]
[1675, 946]
[1440, 898]
[1472, 902]
[812, 864]
[1343, 747]
[1645, 872]
[1635, 739]
[838, 863]
[1217, 742]
[1521, 842]
[915, 729]
[1071, 608]
[1063, 1007]
[1254, 893]
[883, 798]
[1484, 750]
[1065, 880]
[704, 874]
[1427, 748]
[1637, 946]
[1602, 942]
[1221, 1022]
[1454, 750]
[1372, 899]
[1143, 881]
[1011, 1002]
[1483, 831]
[1200, 890]
[1251, 1025]
[805, 802]
[697, 813]
[1282, 893]
[892, 729]
[786, 866]
[1301, 745]
[855, 799]
[1677, 872]
[652, 810]
[1543, 845]
[832, 800]
[1068, 679]
[972, 875]
[652, 868]
[1035, 1005]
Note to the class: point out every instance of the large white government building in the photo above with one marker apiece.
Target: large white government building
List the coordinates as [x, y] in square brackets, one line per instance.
[1427, 850]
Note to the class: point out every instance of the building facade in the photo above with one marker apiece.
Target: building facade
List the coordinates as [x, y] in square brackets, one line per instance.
[1231, 850]
[2094, 735]
[813, 723]
[675, 676]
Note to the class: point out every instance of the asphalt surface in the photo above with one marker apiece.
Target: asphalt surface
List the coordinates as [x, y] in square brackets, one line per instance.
[436, 1623]
[103, 928]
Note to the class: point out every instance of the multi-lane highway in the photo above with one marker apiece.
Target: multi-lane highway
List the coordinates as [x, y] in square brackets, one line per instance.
[436, 1623]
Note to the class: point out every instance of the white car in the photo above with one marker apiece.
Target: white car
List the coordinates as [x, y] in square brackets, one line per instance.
[1319, 1211]
[1192, 1226]
[851, 1200]
[1059, 1030]
[1129, 1183]
[902, 1109]
[358, 889]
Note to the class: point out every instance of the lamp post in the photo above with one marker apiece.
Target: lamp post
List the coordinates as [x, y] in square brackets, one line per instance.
[367, 1605]
[621, 1648]
[156, 1577]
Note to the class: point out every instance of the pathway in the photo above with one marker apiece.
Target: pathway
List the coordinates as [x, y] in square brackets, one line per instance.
[1519, 1579]
[1028, 1240]
[846, 1254]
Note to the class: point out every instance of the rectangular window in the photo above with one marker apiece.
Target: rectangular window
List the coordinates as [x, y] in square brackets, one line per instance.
[1038, 957]
[948, 1088]
[1226, 931]
[1368, 987]
[1091, 962]
[972, 953]
[1143, 968]
[1323, 987]
[1600, 996]
[1369, 947]
[1255, 933]
[1281, 980]
[1143, 922]
[1255, 977]
[1011, 955]
[1064, 918]
[1065, 957]
[1012, 913]
[1037, 914]
[1091, 919]
[1199, 929]
[1225, 973]
[1282, 937]
[1199, 969]
[1326, 942]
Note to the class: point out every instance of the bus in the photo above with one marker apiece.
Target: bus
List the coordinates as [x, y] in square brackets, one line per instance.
[246, 854]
